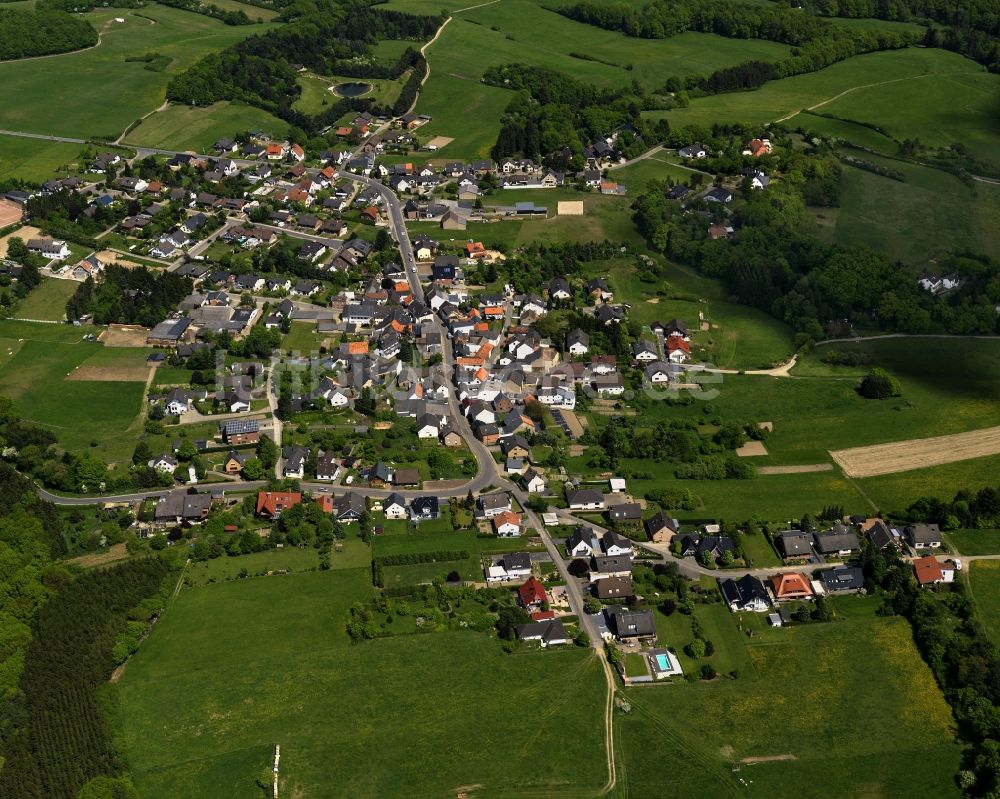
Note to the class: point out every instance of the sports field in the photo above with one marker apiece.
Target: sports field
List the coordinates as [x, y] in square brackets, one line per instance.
[79, 412]
[809, 705]
[185, 128]
[267, 661]
[97, 93]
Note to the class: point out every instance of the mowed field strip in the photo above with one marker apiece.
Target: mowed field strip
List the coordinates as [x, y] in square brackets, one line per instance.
[917, 453]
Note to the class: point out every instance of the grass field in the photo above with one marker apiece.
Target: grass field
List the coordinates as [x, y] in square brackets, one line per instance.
[975, 542]
[932, 213]
[186, 128]
[97, 93]
[955, 98]
[48, 300]
[254, 12]
[820, 694]
[36, 161]
[525, 32]
[78, 412]
[984, 579]
[267, 661]
[303, 338]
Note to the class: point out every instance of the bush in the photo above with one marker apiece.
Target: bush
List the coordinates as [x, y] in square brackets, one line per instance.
[879, 384]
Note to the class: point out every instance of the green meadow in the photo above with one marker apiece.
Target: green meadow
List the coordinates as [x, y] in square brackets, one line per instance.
[186, 128]
[36, 161]
[798, 722]
[984, 581]
[524, 31]
[233, 669]
[932, 213]
[48, 300]
[79, 412]
[96, 93]
[936, 96]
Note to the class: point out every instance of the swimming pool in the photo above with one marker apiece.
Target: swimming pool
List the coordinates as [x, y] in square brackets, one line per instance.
[663, 662]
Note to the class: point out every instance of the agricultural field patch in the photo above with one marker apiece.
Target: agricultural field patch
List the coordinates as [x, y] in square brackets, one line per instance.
[785, 711]
[196, 129]
[326, 701]
[984, 579]
[902, 456]
[96, 93]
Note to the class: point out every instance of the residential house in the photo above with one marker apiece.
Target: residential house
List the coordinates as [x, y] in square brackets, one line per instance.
[627, 624]
[585, 499]
[533, 482]
[746, 593]
[506, 524]
[583, 543]
[349, 507]
[425, 509]
[270, 504]
[843, 579]
[577, 343]
[660, 528]
[625, 512]
[790, 585]
[923, 536]
[795, 546]
[549, 632]
[531, 594]
[510, 566]
[490, 505]
[838, 540]
[240, 431]
[927, 571]
[602, 566]
[394, 507]
[613, 588]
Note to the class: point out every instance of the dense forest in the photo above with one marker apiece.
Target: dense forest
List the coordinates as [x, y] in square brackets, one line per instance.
[31, 33]
[320, 36]
[816, 42]
[56, 738]
[552, 112]
[129, 296]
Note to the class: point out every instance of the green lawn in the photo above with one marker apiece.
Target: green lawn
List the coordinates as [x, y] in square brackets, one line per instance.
[48, 300]
[354, 554]
[97, 93]
[187, 128]
[303, 338]
[984, 580]
[79, 412]
[975, 542]
[821, 694]
[252, 11]
[635, 665]
[267, 661]
[36, 161]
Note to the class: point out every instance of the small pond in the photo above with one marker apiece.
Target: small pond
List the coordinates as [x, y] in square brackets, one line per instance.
[352, 89]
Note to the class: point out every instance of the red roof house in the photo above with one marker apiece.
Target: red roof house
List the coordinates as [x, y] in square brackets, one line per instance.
[271, 503]
[928, 570]
[532, 593]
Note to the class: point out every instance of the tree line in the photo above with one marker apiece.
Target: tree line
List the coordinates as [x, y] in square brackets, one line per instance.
[965, 663]
[42, 32]
[816, 42]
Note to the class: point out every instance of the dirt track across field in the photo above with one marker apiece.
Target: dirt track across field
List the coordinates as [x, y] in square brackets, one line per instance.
[124, 336]
[805, 469]
[917, 453]
[111, 374]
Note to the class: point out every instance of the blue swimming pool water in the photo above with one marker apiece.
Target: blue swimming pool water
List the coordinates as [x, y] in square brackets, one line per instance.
[663, 662]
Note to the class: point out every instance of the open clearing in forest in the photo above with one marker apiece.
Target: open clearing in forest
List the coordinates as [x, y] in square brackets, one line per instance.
[918, 453]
